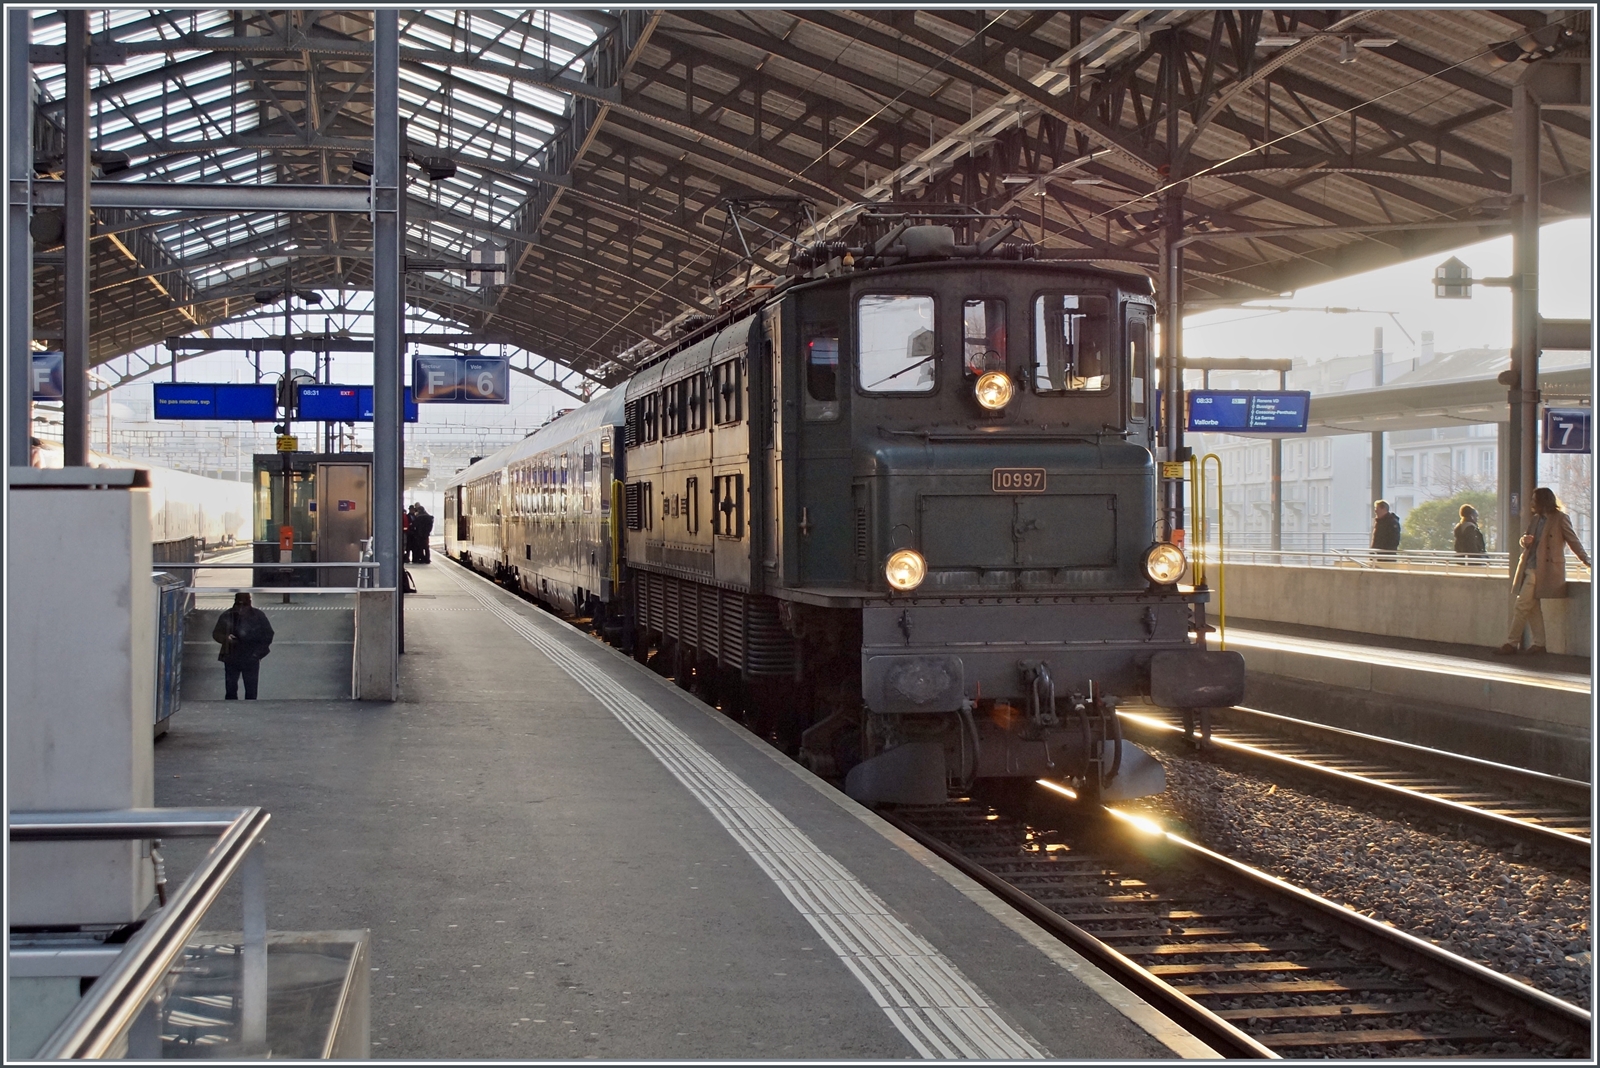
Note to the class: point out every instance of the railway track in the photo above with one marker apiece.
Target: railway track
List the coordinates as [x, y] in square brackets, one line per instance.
[1514, 804]
[1252, 965]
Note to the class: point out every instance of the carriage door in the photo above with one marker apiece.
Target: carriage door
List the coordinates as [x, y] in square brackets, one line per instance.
[823, 521]
[463, 520]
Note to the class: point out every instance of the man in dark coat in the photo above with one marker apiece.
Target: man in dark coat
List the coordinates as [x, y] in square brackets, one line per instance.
[1469, 536]
[1385, 528]
[245, 634]
[421, 531]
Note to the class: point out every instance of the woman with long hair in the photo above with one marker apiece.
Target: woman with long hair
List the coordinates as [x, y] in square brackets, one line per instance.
[1542, 572]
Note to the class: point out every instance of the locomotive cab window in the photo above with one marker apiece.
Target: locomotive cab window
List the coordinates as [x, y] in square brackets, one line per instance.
[983, 336]
[822, 371]
[1071, 343]
[895, 343]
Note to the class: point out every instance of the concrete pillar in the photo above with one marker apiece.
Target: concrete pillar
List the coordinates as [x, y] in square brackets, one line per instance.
[19, 242]
[75, 294]
[1524, 395]
[1377, 437]
[1277, 494]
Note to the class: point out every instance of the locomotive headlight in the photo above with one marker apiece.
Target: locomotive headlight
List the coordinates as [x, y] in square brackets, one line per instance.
[906, 569]
[993, 390]
[1164, 562]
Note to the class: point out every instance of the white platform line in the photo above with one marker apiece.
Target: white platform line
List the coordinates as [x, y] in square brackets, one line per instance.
[938, 1010]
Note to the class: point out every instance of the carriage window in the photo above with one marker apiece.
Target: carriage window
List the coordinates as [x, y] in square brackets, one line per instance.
[822, 371]
[1138, 365]
[983, 335]
[894, 334]
[695, 403]
[1070, 344]
[727, 390]
[648, 423]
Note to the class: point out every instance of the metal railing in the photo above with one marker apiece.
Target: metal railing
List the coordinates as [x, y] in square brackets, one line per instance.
[363, 568]
[113, 1004]
[1426, 561]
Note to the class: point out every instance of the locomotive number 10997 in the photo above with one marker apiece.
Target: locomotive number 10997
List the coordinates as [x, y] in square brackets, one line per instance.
[1017, 480]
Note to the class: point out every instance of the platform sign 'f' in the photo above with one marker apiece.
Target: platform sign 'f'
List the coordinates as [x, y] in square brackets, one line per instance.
[436, 378]
[48, 376]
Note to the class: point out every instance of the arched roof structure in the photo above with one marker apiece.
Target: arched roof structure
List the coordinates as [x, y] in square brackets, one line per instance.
[598, 148]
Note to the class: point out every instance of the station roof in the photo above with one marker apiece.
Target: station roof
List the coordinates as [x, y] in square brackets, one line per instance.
[598, 147]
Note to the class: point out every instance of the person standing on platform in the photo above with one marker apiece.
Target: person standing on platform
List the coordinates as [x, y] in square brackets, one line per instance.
[421, 531]
[1469, 537]
[405, 534]
[1385, 529]
[245, 634]
[1542, 571]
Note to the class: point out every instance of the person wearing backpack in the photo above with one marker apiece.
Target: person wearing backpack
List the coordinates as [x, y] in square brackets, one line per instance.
[245, 634]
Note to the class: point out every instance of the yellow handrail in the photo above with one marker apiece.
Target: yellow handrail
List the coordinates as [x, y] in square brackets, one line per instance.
[1197, 474]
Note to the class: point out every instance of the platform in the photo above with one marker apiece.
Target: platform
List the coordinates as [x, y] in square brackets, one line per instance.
[1534, 711]
[562, 855]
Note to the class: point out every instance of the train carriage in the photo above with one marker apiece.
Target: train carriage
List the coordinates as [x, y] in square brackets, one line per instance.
[900, 515]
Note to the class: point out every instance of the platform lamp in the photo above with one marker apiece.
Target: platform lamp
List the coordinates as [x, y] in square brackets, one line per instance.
[490, 257]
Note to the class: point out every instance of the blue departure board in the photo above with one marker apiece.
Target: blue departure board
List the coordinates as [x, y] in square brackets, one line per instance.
[1249, 411]
[216, 400]
[327, 402]
[256, 403]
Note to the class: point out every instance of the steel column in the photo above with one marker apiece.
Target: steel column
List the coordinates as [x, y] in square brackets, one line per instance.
[1172, 295]
[75, 292]
[1525, 138]
[1172, 354]
[403, 150]
[19, 242]
[386, 299]
[1377, 435]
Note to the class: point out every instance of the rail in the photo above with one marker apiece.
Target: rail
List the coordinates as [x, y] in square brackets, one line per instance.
[1512, 815]
[112, 1005]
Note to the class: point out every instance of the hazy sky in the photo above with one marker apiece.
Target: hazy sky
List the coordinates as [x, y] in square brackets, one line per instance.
[1566, 282]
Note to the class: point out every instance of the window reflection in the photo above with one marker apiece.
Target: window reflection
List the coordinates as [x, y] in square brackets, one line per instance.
[983, 336]
[822, 371]
[895, 340]
[1070, 343]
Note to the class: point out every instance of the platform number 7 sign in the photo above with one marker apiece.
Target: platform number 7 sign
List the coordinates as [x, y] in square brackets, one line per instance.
[1567, 429]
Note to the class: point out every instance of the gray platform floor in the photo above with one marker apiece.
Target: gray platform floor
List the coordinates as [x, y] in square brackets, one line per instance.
[561, 855]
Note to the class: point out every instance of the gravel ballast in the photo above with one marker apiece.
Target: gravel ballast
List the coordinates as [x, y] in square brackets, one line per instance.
[1527, 920]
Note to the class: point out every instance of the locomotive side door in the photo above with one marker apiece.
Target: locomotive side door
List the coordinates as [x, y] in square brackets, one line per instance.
[821, 515]
[1141, 367]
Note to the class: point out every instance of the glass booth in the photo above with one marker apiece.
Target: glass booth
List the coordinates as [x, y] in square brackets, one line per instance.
[310, 507]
